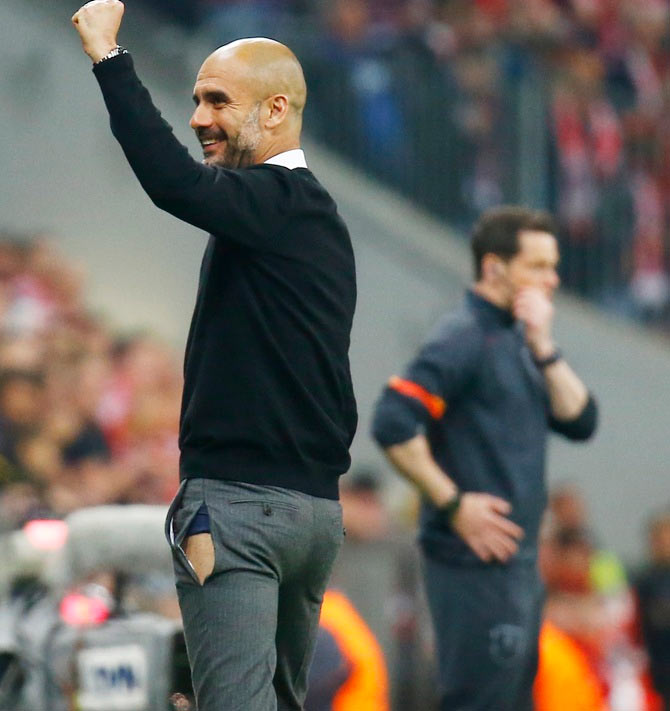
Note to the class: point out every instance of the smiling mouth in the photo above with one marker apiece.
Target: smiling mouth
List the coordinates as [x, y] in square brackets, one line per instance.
[209, 146]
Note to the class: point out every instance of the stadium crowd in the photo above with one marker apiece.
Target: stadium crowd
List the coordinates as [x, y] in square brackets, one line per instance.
[594, 74]
[86, 417]
[89, 418]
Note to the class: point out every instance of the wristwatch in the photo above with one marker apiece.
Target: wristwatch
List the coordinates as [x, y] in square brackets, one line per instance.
[543, 363]
[448, 510]
[115, 52]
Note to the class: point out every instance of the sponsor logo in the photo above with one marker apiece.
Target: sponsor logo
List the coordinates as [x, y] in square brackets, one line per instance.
[113, 679]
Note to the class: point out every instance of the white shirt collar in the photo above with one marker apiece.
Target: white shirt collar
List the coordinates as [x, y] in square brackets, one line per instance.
[289, 159]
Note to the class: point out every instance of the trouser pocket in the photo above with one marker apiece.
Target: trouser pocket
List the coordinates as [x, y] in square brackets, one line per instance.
[179, 516]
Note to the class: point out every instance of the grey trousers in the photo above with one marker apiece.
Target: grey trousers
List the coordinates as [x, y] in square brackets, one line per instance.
[487, 623]
[250, 628]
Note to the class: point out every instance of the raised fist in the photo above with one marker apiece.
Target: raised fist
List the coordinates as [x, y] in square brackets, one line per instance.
[98, 24]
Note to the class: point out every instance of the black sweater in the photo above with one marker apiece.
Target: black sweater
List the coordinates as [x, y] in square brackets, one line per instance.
[267, 396]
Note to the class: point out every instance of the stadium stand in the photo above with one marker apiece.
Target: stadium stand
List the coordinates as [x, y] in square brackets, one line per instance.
[557, 103]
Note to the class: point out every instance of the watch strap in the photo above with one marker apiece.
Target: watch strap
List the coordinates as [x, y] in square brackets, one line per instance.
[114, 52]
[448, 510]
[545, 362]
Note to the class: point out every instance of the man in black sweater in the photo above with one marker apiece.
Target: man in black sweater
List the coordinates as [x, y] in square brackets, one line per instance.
[268, 410]
[468, 424]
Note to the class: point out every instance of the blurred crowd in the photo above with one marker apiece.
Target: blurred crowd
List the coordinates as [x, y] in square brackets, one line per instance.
[605, 643]
[87, 417]
[463, 104]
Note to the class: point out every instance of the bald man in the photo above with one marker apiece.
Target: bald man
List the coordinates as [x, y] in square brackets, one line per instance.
[268, 411]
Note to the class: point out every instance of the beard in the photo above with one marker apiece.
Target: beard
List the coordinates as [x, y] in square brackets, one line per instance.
[240, 149]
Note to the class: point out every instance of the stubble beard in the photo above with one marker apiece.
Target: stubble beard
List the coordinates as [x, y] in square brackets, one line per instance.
[241, 149]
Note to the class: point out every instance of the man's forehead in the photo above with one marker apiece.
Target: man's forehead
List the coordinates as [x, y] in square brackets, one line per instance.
[536, 241]
[222, 69]
[220, 75]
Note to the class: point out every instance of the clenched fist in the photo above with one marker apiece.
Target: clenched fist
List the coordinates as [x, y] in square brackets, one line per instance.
[98, 24]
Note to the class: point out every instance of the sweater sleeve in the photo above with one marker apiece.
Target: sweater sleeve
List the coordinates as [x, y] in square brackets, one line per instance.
[248, 206]
[581, 427]
[439, 374]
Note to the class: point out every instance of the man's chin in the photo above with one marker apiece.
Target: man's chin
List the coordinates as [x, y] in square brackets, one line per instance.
[212, 159]
[221, 161]
[240, 159]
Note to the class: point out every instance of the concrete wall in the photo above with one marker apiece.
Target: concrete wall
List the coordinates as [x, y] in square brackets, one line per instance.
[63, 172]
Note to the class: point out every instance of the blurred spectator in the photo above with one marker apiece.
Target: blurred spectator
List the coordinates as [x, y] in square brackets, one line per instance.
[565, 676]
[349, 672]
[589, 143]
[364, 513]
[21, 410]
[653, 593]
[329, 671]
[606, 573]
[600, 624]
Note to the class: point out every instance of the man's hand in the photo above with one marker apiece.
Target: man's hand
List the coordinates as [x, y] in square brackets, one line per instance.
[481, 521]
[536, 311]
[98, 24]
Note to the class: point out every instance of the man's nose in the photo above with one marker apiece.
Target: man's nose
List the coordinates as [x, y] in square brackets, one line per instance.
[201, 117]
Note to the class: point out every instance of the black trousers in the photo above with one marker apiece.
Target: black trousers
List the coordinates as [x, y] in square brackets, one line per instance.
[487, 622]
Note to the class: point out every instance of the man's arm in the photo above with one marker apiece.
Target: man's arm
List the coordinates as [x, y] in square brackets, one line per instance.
[413, 459]
[440, 373]
[567, 393]
[569, 400]
[248, 206]
[480, 519]
[162, 164]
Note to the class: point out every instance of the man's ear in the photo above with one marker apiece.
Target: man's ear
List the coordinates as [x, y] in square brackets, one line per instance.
[278, 107]
[492, 267]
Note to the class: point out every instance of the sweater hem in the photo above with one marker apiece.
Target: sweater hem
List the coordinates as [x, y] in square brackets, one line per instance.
[319, 483]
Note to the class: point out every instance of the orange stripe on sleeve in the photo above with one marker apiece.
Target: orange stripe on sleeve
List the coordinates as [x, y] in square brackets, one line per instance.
[433, 403]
